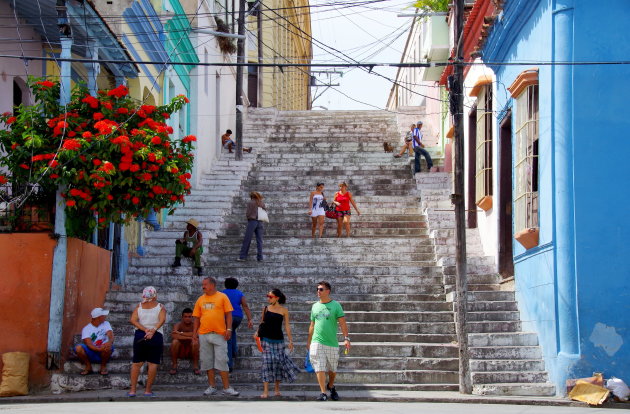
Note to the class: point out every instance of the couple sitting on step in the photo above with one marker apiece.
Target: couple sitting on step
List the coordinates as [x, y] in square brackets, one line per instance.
[413, 142]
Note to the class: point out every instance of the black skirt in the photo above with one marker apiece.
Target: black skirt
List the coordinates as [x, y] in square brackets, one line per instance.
[147, 350]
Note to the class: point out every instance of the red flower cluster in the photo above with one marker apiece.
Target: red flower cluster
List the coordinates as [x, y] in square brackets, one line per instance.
[119, 92]
[71, 144]
[45, 84]
[189, 138]
[90, 100]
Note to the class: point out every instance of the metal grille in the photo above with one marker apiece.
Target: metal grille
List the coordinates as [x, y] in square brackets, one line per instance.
[25, 214]
[483, 171]
[526, 166]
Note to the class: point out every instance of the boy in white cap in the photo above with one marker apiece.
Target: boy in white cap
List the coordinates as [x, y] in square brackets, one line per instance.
[97, 342]
[190, 245]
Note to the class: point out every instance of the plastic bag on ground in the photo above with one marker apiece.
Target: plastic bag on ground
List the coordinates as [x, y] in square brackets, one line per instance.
[618, 388]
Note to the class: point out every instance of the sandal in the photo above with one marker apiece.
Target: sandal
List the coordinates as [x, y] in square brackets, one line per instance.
[173, 371]
[131, 394]
[149, 394]
[86, 372]
[197, 371]
[104, 373]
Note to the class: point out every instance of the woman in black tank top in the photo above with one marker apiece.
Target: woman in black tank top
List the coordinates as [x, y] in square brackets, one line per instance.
[277, 366]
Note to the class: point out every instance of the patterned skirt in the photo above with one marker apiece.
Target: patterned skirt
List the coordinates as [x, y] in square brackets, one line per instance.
[276, 364]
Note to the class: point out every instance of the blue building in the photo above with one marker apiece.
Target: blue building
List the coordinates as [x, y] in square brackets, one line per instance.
[563, 129]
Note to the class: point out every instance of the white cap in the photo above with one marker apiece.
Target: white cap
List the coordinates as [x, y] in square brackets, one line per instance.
[96, 312]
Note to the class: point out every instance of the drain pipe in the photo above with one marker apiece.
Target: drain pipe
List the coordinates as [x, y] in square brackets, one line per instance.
[58, 279]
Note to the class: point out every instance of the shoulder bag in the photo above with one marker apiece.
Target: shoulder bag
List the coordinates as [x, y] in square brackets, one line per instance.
[262, 215]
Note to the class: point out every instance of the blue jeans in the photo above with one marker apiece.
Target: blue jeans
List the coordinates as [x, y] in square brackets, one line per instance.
[232, 346]
[253, 227]
[421, 151]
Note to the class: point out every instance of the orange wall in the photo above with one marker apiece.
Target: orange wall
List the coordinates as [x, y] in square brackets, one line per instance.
[87, 282]
[25, 294]
[25, 298]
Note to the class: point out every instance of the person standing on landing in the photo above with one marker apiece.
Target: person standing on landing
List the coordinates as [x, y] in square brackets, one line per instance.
[316, 211]
[254, 226]
[343, 199]
[418, 148]
[212, 316]
[322, 342]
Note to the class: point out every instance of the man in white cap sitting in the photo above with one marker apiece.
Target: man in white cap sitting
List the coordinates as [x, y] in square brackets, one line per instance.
[190, 245]
[97, 342]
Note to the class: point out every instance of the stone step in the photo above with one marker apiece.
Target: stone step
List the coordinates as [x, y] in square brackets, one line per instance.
[505, 352]
[503, 339]
[494, 365]
[509, 377]
[515, 389]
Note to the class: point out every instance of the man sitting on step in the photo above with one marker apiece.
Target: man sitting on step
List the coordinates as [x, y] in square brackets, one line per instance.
[97, 342]
[227, 143]
[190, 245]
[183, 345]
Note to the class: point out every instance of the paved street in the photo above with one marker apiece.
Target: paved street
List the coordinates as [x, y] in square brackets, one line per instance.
[275, 407]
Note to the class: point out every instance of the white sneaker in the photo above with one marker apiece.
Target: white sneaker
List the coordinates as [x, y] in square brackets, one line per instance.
[230, 391]
[210, 391]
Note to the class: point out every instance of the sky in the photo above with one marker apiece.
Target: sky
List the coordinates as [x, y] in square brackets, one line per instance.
[369, 32]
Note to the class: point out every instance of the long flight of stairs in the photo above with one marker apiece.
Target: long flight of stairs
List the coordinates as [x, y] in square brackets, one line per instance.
[393, 277]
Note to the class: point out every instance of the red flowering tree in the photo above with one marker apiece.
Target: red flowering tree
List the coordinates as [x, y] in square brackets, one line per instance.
[115, 157]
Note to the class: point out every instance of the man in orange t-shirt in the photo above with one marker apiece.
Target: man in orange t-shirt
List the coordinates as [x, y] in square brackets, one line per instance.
[212, 316]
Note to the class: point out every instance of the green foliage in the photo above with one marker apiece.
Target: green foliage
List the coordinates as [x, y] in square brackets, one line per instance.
[432, 5]
[116, 158]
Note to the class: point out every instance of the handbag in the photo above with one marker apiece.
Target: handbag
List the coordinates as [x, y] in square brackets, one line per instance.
[307, 363]
[262, 215]
[332, 214]
[261, 328]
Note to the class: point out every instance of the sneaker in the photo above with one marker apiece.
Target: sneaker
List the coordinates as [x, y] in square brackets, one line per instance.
[210, 391]
[230, 391]
[240, 260]
[322, 397]
[177, 262]
[397, 156]
[333, 393]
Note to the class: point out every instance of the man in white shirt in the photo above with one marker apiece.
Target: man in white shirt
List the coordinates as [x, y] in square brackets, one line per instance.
[97, 342]
[418, 148]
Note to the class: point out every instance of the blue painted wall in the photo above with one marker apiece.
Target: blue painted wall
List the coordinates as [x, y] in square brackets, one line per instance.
[573, 288]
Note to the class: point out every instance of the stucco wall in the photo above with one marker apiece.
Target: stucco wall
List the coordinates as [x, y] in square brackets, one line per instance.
[25, 298]
[600, 149]
[25, 294]
[585, 124]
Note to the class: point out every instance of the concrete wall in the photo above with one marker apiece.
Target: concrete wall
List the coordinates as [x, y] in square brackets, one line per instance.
[25, 295]
[572, 288]
[25, 299]
[600, 125]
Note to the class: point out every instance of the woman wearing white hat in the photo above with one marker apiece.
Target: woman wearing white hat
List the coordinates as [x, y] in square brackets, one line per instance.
[190, 245]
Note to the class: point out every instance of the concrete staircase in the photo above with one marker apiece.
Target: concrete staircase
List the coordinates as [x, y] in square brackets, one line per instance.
[504, 360]
[393, 276]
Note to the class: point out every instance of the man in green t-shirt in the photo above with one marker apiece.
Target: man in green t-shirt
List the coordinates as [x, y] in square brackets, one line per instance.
[322, 342]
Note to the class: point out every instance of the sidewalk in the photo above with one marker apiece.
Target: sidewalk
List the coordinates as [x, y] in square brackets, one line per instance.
[177, 394]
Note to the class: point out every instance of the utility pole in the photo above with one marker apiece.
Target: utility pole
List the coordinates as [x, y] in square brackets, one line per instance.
[259, 22]
[240, 59]
[456, 86]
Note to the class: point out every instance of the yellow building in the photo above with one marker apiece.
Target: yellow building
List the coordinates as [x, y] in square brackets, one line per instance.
[285, 38]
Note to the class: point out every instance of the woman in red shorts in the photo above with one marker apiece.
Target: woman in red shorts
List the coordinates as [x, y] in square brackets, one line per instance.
[343, 199]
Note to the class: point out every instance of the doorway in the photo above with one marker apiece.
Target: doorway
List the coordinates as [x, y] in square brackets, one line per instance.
[506, 256]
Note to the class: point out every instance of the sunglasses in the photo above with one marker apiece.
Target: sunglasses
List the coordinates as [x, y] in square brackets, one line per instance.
[271, 296]
[320, 289]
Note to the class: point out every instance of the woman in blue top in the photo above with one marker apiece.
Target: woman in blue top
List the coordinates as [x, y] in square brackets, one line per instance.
[237, 299]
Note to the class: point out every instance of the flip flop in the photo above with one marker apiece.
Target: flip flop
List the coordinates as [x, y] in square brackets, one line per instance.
[104, 373]
[131, 394]
[263, 397]
[197, 371]
[173, 371]
[149, 394]
[86, 372]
